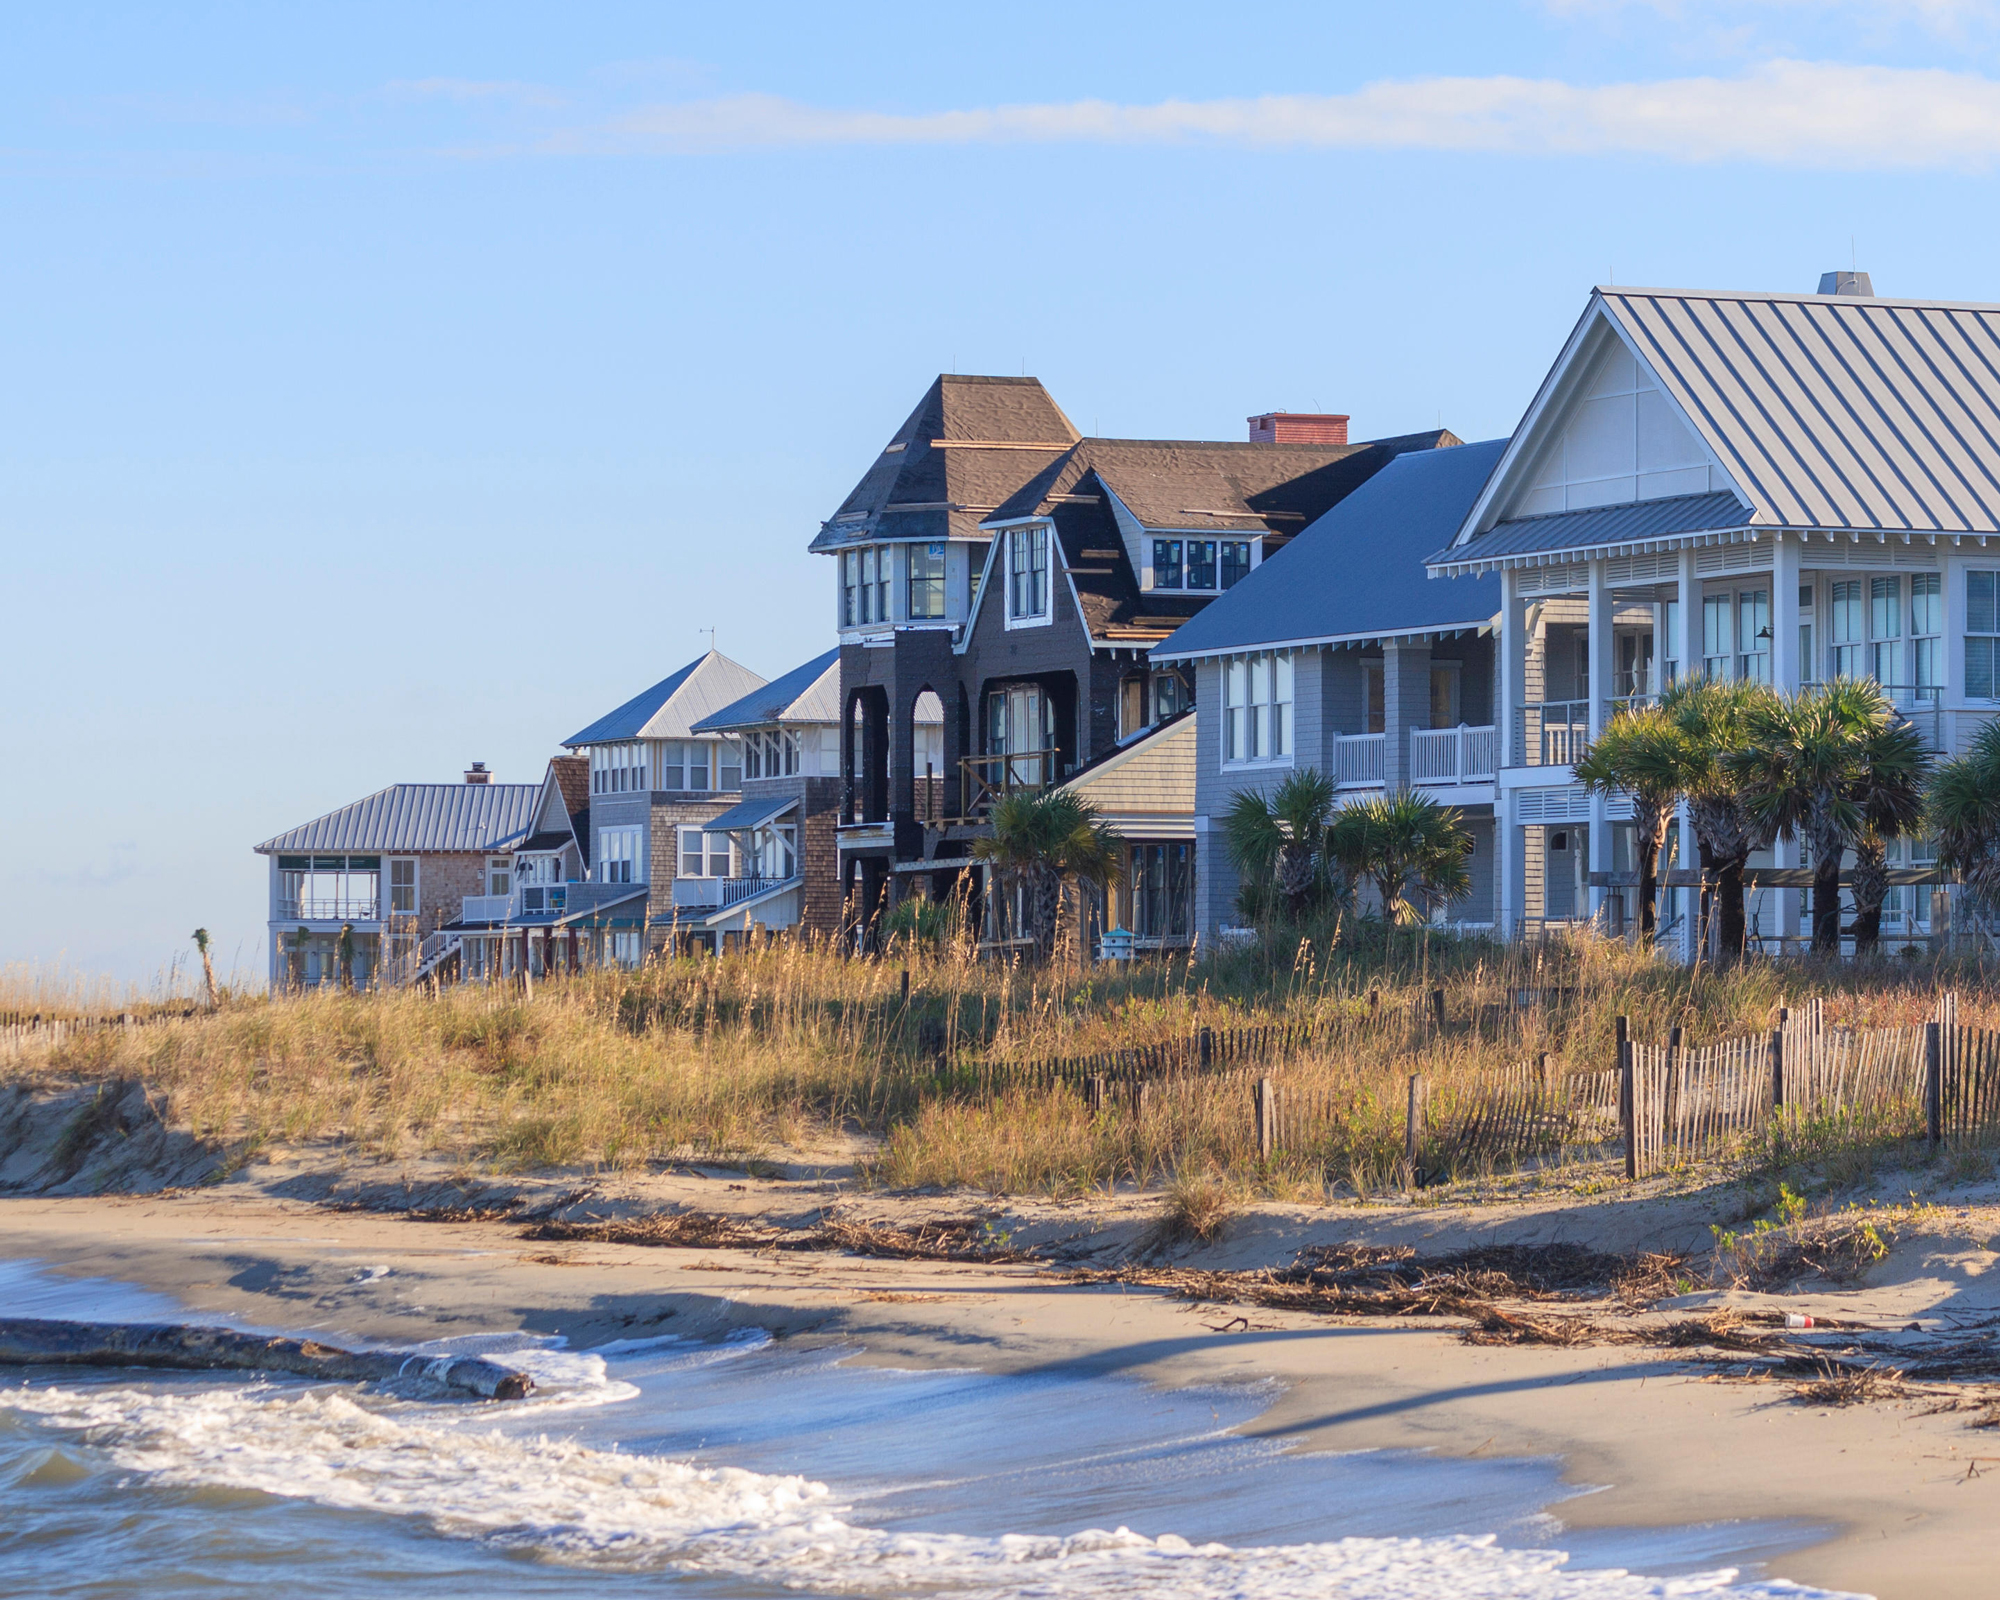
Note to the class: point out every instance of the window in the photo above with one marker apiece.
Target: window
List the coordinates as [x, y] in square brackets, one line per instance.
[865, 614]
[402, 886]
[1849, 630]
[617, 768]
[753, 755]
[329, 888]
[1020, 722]
[1201, 563]
[1885, 629]
[885, 566]
[1444, 694]
[1926, 626]
[1028, 574]
[1131, 706]
[694, 765]
[620, 855]
[1753, 632]
[1715, 635]
[1982, 634]
[773, 852]
[1235, 562]
[975, 569]
[1170, 696]
[927, 580]
[1162, 879]
[1671, 618]
[1257, 709]
[500, 875]
[1166, 563]
[850, 578]
[625, 947]
[1375, 707]
[703, 855]
[729, 764]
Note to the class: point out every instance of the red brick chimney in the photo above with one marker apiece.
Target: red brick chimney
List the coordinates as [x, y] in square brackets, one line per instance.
[478, 773]
[1299, 427]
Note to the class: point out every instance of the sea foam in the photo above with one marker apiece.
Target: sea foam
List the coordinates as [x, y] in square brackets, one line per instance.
[615, 1510]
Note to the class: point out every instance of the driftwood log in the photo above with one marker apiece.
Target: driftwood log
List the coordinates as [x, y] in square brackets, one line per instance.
[33, 1342]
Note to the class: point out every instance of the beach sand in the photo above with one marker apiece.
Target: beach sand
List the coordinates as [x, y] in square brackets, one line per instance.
[1910, 1497]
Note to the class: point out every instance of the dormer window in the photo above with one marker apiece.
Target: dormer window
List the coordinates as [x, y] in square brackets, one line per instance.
[1027, 575]
[1202, 566]
[1235, 562]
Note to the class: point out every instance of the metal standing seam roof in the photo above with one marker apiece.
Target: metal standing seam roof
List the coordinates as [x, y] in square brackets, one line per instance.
[1358, 572]
[1634, 521]
[1835, 412]
[672, 706]
[808, 693]
[751, 813]
[420, 819]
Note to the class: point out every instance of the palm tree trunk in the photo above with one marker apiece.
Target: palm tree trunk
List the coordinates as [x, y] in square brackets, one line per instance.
[1649, 834]
[1731, 923]
[1828, 847]
[1871, 888]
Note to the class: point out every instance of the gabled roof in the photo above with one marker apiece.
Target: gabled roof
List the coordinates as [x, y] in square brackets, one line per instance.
[670, 709]
[1836, 413]
[1358, 572]
[808, 693]
[421, 818]
[572, 775]
[969, 444]
[1219, 485]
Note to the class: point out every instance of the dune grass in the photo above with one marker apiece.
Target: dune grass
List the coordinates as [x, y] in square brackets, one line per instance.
[778, 1048]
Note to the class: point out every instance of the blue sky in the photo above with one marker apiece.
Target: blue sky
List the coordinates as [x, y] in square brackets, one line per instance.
[389, 387]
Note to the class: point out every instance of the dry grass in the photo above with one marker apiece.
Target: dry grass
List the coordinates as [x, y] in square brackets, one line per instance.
[703, 1058]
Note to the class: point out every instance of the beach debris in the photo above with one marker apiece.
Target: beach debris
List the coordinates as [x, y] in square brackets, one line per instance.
[938, 1239]
[33, 1341]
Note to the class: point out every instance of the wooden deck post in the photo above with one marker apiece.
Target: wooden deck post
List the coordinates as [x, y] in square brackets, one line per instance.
[1933, 1084]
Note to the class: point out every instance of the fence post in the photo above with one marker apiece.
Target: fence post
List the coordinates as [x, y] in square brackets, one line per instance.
[1207, 1038]
[1413, 1123]
[1777, 1051]
[1437, 1008]
[1093, 1094]
[1933, 1084]
[1623, 1036]
[1627, 1106]
[1374, 1004]
[1267, 1119]
[906, 986]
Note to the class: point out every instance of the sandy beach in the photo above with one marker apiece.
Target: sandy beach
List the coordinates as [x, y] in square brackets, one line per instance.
[1909, 1496]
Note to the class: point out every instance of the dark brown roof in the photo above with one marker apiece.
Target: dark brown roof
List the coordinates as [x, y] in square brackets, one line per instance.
[572, 775]
[971, 442]
[1266, 481]
[1224, 485]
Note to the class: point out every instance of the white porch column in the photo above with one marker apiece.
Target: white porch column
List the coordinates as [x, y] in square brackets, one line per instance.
[1510, 848]
[1687, 650]
[1787, 671]
[1603, 666]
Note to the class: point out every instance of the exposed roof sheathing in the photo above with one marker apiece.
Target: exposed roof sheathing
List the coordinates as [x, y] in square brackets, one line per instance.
[420, 819]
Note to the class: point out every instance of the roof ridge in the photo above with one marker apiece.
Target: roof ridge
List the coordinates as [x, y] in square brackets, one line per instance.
[1858, 301]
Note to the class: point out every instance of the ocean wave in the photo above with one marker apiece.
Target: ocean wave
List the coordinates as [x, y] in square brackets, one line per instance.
[617, 1510]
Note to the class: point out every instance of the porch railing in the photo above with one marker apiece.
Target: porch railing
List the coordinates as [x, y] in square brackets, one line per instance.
[984, 780]
[1454, 755]
[1360, 760]
[335, 908]
[735, 889]
[1551, 733]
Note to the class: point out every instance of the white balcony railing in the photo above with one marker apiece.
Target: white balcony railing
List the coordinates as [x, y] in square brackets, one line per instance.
[1360, 760]
[332, 908]
[1551, 733]
[1454, 755]
[735, 889]
[486, 908]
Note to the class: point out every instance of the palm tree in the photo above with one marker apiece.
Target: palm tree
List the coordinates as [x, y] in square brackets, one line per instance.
[1412, 848]
[1641, 753]
[1800, 770]
[1962, 810]
[1278, 844]
[1044, 846]
[207, 964]
[1712, 718]
[1895, 771]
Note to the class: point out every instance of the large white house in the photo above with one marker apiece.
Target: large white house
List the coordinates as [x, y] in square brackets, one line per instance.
[1785, 487]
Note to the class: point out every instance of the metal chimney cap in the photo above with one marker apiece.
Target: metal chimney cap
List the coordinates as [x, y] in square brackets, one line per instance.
[1855, 284]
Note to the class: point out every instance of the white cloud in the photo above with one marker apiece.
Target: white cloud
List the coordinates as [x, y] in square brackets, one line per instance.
[467, 90]
[1934, 16]
[1794, 113]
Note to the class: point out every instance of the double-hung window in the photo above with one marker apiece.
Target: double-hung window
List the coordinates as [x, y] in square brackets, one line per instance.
[1982, 634]
[850, 583]
[1235, 562]
[1670, 619]
[866, 613]
[885, 567]
[704, 855]
[1926, 634]
[1257, 710]
[1807, 670]
[1166, 563]
[619, 858]
[1028, 574]
[1885, 630]
[1753, 633]
[1849, 630]
[402, 887]
[927, 580]
[1716, 634]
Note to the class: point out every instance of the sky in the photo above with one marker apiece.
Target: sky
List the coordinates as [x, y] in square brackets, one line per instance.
[388, 387]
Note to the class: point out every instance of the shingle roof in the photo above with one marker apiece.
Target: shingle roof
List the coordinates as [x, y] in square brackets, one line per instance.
[1358, 572]
[1219, 484]
[969, 444]
[421, 818]
[1835, 411]
[670, 709]
[1634, 522]
[572, 775]
[808, 693]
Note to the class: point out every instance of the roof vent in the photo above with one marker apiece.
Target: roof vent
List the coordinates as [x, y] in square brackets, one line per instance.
[477, 773]
[1299, 427]
[1847, 283]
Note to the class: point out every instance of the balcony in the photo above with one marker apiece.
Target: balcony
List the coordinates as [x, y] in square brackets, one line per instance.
[1454, 755]
[718, 894]
[329, 908]
[1360, 760]
[983, 781]
[1551, 733]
